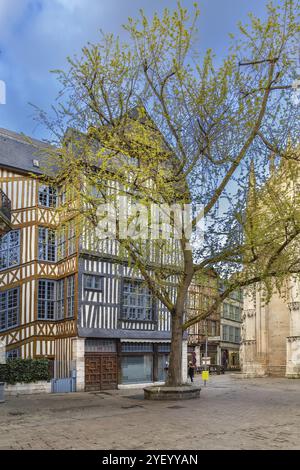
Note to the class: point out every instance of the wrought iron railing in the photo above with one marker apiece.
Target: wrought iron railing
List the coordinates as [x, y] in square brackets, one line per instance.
[5, 205]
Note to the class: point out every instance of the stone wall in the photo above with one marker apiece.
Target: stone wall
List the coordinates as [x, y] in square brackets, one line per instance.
[278, 330]
[79, 363]
[271, 334]
[28, 389]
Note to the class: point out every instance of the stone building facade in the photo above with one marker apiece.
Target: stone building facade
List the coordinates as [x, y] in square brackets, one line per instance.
[202, 294]
[271, 333]
[271, 328]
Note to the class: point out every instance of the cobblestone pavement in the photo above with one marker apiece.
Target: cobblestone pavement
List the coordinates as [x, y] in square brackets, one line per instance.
[232, 413]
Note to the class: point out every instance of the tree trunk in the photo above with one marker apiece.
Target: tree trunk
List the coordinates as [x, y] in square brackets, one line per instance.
[175, 364]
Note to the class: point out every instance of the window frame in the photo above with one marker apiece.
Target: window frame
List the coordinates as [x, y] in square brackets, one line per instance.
[8, 309]
[47, 300]
[225, 333]
[45, 244]
[16, 352]
[50, 194]
[7, 251]
[70, 298]
[60, 299]
[94, 277]
[61, 243]
[72, 238]
[151, 309]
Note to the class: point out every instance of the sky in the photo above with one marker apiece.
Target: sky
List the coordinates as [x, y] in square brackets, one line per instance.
[36, 36]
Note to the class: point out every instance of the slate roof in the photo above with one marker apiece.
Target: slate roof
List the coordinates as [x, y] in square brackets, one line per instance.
[17, 153]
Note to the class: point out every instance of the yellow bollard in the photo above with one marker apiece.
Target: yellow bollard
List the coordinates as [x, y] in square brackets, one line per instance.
[205, 376]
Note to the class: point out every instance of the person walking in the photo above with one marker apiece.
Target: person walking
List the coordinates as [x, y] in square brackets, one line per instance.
[191, 371]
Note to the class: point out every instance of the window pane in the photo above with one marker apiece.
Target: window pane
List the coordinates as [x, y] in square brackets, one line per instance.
[12, 354]
[10, 249]
[46, 299]
[60, 299]
[9, 309]
[70, 293]
[47, 244]
[137, 347]
[47, 196]
[136, 369]
[72, 240]
[137, 301]
[100, 345]
[92, 281]
[43, 200]
[61, 244]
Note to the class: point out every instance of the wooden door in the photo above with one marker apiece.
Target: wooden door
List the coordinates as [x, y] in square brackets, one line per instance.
[100, 372]
[109, 372]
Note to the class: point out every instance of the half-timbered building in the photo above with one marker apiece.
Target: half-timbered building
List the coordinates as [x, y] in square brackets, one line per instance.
[67, 297]
[204, 336]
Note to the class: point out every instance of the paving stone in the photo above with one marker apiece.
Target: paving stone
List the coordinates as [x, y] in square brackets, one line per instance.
[259, 413]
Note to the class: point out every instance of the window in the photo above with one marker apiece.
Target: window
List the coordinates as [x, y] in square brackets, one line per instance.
[47, 244]
[46, 300]
[136, 369]
[72, 240]
[213, 326]
[47, 196]
[137, 347]
[225, 310]
[70, 296]
[233, 312]
[12, 354]
[66, 242]
[137, 302]
[51, 299]
[62, 196]
[60, 297]
[100, 345]
[9, 309]
[225, 333]
[237, 335]
[10, 249]
[61, 243]
[164, 347]
[237, 314]
[93, 282]
[205, 302]
[231, 334]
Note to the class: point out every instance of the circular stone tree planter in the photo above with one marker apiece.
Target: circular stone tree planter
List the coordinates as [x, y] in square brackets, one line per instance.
[182, 392]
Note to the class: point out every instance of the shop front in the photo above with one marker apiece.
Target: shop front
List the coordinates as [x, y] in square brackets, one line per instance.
[230, 358]
[143, 362]
[113, 362]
